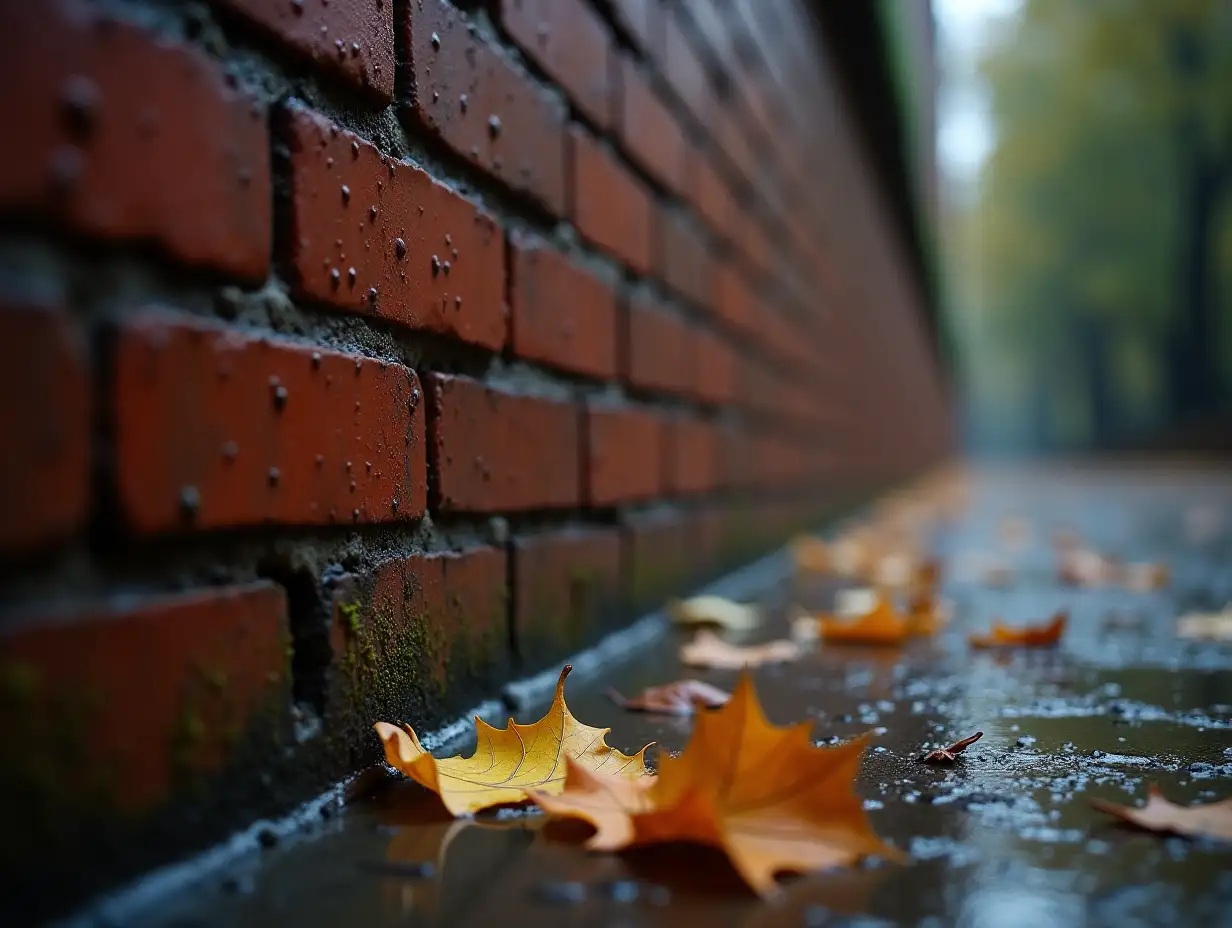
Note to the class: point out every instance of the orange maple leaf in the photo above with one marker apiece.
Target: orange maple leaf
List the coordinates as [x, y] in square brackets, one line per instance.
[511, 760]
[1031, 636]
[879, 626]
[1213, 820]
[762, 794]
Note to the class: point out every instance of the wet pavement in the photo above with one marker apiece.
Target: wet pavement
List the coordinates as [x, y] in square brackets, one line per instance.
[1006, 837]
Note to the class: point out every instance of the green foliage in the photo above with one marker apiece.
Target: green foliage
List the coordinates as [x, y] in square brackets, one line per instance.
[1099, 235]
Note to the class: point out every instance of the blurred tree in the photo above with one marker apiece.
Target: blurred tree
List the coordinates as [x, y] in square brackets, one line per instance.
[1097, 224]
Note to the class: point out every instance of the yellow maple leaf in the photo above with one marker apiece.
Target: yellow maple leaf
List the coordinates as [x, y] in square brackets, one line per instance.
[508, 761]
[761, 793]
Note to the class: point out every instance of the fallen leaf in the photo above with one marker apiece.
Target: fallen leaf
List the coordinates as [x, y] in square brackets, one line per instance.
[677, 698]
[1213, 820]
[879, 626]
[709, 650]
[762, 794]
[926, 616]
[1031, 636]
[811, 555]
[1085, 567]
[1145, 577]
[1214, 625]
[714, 610]
[855, 601]
[950, 755]
[508, 761]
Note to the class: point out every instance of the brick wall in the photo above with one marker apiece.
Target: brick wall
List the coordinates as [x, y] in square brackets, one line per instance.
[359, 355]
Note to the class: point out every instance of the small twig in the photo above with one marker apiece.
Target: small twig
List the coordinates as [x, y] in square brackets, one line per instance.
[949, 755]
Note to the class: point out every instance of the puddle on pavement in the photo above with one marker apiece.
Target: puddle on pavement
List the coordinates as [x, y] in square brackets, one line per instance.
[1007, 837]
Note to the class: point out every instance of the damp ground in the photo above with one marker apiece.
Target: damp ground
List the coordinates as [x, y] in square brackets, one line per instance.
[1005, 838]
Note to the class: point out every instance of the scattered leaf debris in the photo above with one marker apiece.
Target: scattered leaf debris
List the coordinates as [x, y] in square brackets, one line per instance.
[714, 610]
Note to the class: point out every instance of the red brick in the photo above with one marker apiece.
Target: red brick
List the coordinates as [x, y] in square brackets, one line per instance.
[571, 43]
[473, 98]
[491, 450]
[624, 455]
[714, 368]
[361, 221]
[685, 74]
[733, 300]
[352, 38]
[712, 197]
[643, 20]
[658, 565]
[436, 623]
[566, 592]
[755, 245]
[45, 412]
[648, 131]
[688, 267]
[156, 686]
[693, 457]
[610, 207]
[732, 140]
[560, 314]
[123, 136]
[656, 358]
[218, 428]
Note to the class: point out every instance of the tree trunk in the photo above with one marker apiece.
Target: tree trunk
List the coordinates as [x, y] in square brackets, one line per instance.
[1194, 362]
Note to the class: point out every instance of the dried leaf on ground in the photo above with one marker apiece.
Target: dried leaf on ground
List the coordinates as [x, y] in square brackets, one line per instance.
[879, 626]
[811, 555]
[709, 650]
[950, 755]
[508, 761]
[1029, 636]
[855, 601]
[1145, 577]
[1085, 567]
[762, 794]
[679, 698]
[714, 610]
[1213, 820]
[1216, 626]
[928, 616]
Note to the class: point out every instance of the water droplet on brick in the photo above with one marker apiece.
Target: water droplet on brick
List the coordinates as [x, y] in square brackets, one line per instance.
[81, 102]
[274, 476]
[346, 194]
[316, 360]
[297, 6]
[230, 450]
[372, 212]
[463, 102]
[351, 275]
[372, 294]
[400, 247]
[436, 265]
[436, 41]
[494, 125]
[334, 277]
[190, 501]
[355, 149]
